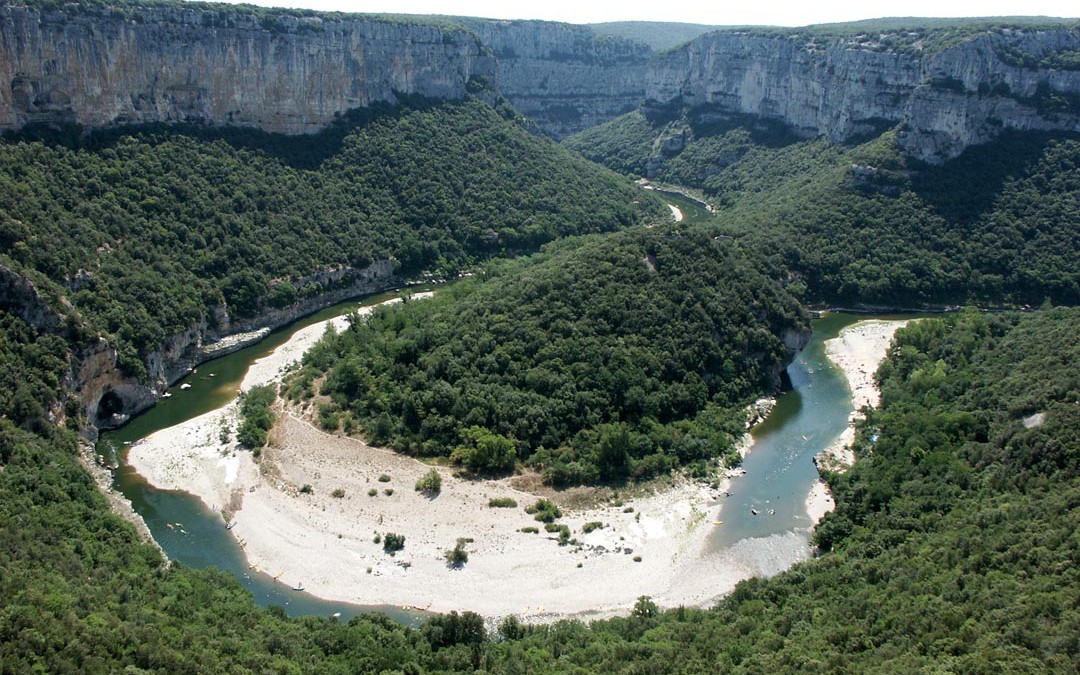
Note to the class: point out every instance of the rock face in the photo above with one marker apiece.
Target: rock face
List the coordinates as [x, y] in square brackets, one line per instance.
[945, 101]
[280, 73]
[294, 72]
[565, 78]
[109, 397]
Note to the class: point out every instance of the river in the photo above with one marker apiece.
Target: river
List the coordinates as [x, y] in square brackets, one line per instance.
[182, 525]
[780, 471]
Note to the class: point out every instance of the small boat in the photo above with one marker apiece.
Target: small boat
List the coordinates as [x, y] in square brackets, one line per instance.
[772, 512]
[230, 525]
[717, 522]
[335, 615]
[185, 386]
[166, 395]
[754, 511]
[299, 586]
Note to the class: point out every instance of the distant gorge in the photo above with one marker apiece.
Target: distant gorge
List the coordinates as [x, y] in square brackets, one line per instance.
[296, 73]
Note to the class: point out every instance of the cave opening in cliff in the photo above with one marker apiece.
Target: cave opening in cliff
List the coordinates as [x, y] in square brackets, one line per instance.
[109, 405]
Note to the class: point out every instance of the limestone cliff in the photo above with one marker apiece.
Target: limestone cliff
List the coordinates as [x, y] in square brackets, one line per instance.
[565, 78]
[293, 72]
[945, 100]
[281, 73]
[109, 397]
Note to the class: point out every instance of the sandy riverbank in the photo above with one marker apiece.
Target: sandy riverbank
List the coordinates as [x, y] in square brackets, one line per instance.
[856, 351]
[676, 213]
[651, 545]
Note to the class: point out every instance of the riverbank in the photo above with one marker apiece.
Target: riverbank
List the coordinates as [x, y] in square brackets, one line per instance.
[292, 526]
[857, 351]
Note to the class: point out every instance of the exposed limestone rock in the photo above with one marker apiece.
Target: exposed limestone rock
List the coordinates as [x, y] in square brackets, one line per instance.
[945, 102]
[155, 64]
[564, 77]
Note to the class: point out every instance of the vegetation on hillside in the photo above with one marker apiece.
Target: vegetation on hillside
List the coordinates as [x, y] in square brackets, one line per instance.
[146, 228]
[866, 224]
[602, 358]
[953, 546]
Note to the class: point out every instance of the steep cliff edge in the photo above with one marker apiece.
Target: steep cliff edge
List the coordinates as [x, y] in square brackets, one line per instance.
[277, 72]
[944, 100]
[293, 72]
[564, 77]
[109, 396]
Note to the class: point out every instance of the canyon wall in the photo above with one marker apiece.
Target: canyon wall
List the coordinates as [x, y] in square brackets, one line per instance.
[294, 72]
[944, 100]
[281, 73]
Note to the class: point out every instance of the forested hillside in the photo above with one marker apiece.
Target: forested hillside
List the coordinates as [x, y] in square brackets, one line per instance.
[143, 229]
[864, 224]
[953, 546]
[604, 358]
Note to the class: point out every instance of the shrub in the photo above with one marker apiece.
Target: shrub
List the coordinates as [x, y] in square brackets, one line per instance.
[590, 526]
[484, 451]
[430, 483]
[457, 556]
[545, 511]
[338, 493]
[388, 491]
[393, 542]
[530, 530]
[372, 492]
[384, 478]
[306, 489]
[502, 503]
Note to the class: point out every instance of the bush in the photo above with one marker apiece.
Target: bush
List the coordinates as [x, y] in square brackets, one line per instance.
[392, 543]
[502, 503]
[545, 511]
[430, 483]
[256, 416]
[384, 478]
[457, 556]
[484, 451]
[328, 417]
[372, 492]
[338, 493]
[388, 491]
[590, 526]
[306, 489]
[530, 530]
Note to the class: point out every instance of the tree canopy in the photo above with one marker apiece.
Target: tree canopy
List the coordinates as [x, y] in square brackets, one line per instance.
[600, 358]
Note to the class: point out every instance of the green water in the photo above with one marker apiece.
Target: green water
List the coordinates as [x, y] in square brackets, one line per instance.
[780, 471]
[197, 537]
[693, 211]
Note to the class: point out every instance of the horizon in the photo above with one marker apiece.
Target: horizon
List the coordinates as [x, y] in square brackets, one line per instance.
[783, 14]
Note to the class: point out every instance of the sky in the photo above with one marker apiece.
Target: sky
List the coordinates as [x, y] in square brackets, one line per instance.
[713, 12]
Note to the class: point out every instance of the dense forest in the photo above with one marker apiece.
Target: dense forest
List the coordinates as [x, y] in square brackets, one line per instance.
[953, 546]
[144, 229]
[865, 224]
[603, 358]
[583, 347]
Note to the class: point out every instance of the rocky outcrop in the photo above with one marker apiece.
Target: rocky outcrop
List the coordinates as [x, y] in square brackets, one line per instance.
[295, 72]
[944, 101]
[110, 397]
[278, 72]
[564, 77]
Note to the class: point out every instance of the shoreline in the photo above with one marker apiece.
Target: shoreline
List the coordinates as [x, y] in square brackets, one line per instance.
[653, 544]
[856, 351]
